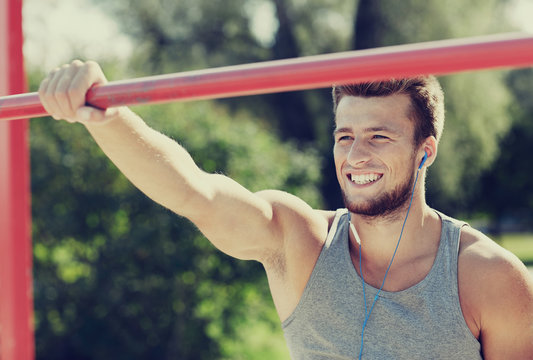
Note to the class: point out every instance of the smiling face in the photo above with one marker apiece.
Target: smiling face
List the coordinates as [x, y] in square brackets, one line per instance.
[375, 155]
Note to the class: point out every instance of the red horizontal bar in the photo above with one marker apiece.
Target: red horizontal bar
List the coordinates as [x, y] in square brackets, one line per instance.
[439, 58]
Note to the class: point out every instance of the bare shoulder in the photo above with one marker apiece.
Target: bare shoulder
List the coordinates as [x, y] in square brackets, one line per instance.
[484, 257]
[496, 293]
[304, 228]
[488, 267]
[304, 232]
[294, 214]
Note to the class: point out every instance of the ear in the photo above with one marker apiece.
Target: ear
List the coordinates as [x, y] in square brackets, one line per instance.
[429, 147]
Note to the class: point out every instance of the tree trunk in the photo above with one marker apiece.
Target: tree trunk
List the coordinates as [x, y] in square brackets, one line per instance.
[294, 121]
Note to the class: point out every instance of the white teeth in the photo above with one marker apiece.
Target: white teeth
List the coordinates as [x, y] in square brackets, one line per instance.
[364, 179]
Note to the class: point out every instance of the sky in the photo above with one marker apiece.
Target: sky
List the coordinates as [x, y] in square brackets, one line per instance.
[57, 30]
[522, 14]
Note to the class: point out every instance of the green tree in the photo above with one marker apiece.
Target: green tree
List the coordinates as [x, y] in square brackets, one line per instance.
[506, 192]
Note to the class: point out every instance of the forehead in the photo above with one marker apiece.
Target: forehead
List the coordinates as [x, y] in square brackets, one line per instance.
[383, 111]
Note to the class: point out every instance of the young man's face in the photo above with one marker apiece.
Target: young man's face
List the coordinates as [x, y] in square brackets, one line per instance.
[374, 153]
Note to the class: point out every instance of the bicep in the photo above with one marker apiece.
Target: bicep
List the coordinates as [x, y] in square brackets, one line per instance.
[244, 224]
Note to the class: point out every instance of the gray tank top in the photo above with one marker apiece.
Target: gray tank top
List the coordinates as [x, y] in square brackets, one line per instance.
[424, 321]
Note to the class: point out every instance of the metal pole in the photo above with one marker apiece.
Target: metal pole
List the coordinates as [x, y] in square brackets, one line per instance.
[439, 58]
[16, 300]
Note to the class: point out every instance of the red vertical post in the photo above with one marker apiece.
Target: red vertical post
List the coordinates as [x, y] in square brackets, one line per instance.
[16, 300]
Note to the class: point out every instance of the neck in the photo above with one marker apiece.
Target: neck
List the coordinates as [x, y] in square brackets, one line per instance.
[379, 235]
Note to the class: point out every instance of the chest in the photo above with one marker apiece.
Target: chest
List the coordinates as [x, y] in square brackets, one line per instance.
[424, 319]
[401, 275]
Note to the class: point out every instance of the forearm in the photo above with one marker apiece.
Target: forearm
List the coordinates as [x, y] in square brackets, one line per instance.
[154, 163]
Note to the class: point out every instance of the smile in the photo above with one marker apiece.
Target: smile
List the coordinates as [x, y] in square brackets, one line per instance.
[364, 178]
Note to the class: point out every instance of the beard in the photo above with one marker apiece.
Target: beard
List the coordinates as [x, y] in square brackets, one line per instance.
[385, 205]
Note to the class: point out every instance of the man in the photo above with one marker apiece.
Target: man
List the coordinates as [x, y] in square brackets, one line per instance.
[387, 278]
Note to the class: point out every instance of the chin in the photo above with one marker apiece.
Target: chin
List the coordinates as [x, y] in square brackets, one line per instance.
[389, 204]
[375, 212]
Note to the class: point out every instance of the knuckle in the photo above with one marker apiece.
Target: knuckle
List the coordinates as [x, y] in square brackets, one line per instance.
[43, 86]
[91, 63]
[88, 66]
[76, 63]
[55, 70]
[94, 69]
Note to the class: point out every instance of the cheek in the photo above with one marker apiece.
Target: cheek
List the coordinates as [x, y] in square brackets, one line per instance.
[404, 169]
[338, 159]
[339, 152]
[338, 156]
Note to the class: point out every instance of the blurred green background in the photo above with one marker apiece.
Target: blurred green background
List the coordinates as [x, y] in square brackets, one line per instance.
[119, 277]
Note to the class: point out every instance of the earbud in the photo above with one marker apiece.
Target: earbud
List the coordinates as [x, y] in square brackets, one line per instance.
[423, 160]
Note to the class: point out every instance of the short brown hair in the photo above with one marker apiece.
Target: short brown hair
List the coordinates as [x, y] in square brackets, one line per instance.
[425, 92]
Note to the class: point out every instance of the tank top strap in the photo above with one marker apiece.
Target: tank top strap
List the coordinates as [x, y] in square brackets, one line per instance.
[448, 252]
[341, 216]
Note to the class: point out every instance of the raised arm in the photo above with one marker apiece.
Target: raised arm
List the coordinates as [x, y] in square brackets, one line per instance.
[238, 222]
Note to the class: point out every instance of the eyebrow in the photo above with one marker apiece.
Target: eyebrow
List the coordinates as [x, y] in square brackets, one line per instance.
[341, 130]
[366, 130]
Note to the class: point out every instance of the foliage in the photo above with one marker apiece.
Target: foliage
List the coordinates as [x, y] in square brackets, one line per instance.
[508, 182]
[474, 126]
[520, 244]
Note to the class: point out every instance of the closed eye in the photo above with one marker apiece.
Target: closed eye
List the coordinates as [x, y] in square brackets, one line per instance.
[380, 137]
[344, 138]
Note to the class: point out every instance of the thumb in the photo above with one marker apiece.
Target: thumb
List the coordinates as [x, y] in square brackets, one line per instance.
[89, 114]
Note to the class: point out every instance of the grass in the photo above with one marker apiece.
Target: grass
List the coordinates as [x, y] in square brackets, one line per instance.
[520, 244]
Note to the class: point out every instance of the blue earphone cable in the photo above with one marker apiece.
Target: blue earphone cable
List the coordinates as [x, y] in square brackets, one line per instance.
[368, 313]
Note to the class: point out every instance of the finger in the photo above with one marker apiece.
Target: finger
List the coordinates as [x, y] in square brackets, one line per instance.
[78, 85]
[89, 75]
[81, 82]
[69, 96]
[71, 120]
[52, 97]
[63, 95]
[45, 96]
[96, 70]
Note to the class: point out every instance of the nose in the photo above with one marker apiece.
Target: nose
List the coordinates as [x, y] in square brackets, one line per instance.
[359, 154]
